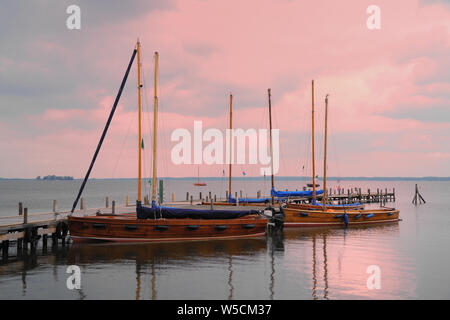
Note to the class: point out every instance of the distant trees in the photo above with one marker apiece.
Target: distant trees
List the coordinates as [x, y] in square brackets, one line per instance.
[53, 177]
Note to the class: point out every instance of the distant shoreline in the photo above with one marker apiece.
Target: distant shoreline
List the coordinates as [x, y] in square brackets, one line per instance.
[268, 178]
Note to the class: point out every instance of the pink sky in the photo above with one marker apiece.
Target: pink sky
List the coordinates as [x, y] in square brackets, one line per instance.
[389, 88]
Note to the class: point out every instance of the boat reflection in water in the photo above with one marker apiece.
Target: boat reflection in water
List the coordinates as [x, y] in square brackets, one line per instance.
[154, 258]
[316, 263]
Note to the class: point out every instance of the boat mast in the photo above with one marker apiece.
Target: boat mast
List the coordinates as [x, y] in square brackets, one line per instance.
[313, 163]
[231, 144]
[270, 133]
[325, 157]
[138, 47]
[155, 111]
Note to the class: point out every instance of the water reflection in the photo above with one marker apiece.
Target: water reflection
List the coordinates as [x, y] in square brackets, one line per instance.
[348, 249]
[321, 263]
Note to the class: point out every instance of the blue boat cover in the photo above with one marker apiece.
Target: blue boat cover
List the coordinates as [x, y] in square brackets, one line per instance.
[306, 193]
[182, 213]
[249, 200]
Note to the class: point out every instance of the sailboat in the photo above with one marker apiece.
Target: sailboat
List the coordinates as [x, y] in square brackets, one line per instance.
[314, 204]
[158, 223]
[198, 183]
[316, 215]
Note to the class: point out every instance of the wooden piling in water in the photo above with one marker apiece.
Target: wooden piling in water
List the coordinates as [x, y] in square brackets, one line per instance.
[25, 215]
[417, 199]
[127, 201]
[107, 202]
[20, 208]
[113, 207]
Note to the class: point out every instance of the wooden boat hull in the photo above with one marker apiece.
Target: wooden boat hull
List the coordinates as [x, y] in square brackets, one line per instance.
[320, 218]
[130, 229]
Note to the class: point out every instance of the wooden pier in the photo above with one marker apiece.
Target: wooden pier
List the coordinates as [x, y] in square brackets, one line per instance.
[26, 229]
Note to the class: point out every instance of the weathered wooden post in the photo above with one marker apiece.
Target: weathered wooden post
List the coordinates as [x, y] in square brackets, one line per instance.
[107, 202]
[25, 215]
[173, 197]
[215, 198]
[20, 208]
[192, 199]
[187, 196]
[55, 205]
[127, 201]
[81, 204]
[200, 196]
[418, 197]
[211, 202]
[393, 193]
[113, 207]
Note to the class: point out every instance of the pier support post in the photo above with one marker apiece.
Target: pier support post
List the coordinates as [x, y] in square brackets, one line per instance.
[187, 196]
[107, 202]
[55, 205]
[5, 247]
[113, 207]
[25, 215]
[200, 196]
[20, 208]
[173, 197]
[192, 199]
[393, 193]
[81, 204]
[127, 201]
[211, 201]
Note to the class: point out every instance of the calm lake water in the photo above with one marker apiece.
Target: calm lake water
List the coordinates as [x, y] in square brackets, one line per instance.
[302, 264]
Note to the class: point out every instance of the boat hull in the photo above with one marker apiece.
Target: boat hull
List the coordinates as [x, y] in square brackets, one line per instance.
[330, 218]
[131, 229]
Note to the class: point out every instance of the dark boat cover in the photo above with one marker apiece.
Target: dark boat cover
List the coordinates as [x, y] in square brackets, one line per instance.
[182, 213]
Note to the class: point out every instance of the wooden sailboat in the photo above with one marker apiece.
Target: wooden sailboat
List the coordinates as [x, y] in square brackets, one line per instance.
[157, 223]
[314, 204]
[198, 183]
[315, 215]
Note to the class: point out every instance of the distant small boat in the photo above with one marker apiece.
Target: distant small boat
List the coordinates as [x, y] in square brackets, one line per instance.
[310, 185]
[198, 183]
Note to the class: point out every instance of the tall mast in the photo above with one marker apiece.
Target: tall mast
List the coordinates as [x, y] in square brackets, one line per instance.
[270, 133]
[313, 161]
[325, 157]
[139, 197]
[231, 144]
[155, 111]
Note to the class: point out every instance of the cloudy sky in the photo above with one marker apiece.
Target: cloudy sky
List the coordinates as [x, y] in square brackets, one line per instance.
[389, 88]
